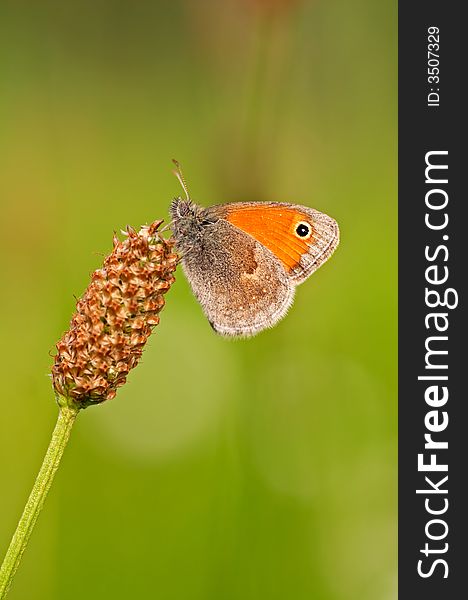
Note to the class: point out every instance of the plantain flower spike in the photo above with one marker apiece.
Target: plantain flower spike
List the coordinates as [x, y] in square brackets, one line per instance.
[114, 318]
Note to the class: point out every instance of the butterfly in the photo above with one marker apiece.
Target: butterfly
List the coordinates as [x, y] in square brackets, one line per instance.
[243, 260]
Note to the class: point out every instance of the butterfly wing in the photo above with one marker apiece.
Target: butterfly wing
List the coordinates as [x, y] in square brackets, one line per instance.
[300, 237]
[241, 286]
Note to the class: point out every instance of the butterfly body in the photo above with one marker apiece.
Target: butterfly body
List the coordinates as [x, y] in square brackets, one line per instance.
[244, 260]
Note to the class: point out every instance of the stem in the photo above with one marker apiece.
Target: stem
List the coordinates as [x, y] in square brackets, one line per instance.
[33, 507]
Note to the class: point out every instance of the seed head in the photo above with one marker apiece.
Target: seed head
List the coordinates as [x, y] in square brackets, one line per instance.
[114, 318]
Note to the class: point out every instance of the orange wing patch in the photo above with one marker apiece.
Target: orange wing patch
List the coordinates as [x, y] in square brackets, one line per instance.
[275, 228]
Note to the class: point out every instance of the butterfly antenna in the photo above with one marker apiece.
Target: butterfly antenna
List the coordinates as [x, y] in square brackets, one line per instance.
[178, 173]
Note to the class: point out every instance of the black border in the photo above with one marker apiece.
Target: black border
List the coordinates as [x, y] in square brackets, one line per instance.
[421, 129]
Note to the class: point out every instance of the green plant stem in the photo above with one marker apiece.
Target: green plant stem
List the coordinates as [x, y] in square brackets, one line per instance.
[66, 418]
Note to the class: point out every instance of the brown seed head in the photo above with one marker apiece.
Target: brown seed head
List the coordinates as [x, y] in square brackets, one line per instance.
[114, 318]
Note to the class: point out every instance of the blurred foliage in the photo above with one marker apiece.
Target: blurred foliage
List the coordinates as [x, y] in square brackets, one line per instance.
[223, 470]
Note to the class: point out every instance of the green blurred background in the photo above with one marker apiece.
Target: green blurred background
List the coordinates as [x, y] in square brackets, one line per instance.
[258, 469]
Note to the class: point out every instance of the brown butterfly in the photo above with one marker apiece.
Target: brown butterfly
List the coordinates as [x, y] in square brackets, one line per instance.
[244, 260]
